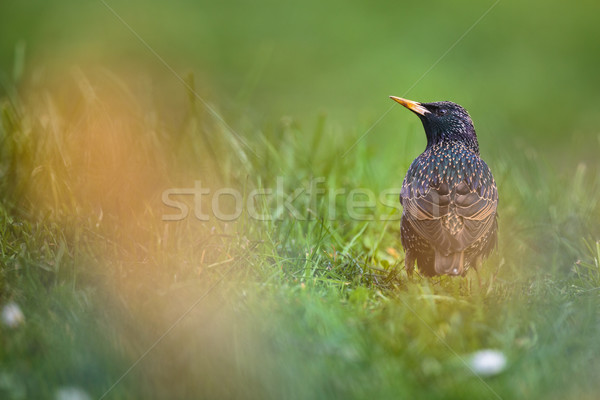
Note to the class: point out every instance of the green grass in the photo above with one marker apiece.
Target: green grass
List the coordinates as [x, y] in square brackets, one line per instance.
[314, 307]
[310, 303]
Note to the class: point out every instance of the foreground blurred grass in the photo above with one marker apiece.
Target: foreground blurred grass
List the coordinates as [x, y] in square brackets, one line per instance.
[314, 308]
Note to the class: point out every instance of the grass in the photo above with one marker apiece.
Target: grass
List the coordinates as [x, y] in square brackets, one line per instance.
[308, 307]
[313, 300]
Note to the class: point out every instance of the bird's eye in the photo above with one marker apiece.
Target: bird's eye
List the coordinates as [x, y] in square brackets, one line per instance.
[442, 111]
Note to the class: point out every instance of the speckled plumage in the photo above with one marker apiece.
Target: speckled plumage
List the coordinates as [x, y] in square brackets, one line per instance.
[449, 196]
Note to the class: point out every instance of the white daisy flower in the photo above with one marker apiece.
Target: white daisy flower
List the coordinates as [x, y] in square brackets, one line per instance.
[488, 362]
[12, 316]
[71, 393]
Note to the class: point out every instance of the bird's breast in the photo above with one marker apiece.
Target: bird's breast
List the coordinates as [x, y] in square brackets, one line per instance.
[445, 168]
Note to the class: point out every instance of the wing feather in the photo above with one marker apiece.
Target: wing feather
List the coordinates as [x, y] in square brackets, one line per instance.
[474, 200]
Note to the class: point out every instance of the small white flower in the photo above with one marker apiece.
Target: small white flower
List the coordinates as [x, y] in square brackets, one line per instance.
[488, 362]
[12, 316]
[71, 393]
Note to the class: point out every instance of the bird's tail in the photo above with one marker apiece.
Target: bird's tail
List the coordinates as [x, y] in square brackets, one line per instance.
[451, 264]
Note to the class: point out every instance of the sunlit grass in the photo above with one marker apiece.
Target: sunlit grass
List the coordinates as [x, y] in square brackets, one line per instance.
[316, 307]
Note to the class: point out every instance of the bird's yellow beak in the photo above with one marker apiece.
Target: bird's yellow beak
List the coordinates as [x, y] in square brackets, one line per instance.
[411, 105]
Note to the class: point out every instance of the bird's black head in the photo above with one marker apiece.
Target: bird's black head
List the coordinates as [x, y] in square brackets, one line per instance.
[443, 121]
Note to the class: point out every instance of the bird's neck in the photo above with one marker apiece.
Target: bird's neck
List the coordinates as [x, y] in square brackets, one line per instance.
[450, 137]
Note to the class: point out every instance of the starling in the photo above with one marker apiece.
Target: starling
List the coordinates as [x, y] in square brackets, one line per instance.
[449, 196]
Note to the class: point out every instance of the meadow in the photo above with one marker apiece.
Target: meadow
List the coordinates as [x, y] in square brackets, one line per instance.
[286, 279]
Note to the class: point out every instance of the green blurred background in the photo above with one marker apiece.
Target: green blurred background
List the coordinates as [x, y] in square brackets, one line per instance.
[527, 70]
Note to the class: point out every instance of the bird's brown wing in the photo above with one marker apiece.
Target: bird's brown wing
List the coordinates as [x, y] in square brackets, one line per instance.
[451, 218]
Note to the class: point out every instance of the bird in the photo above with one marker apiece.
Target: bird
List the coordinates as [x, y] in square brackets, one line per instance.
[449, 197]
